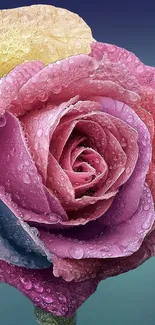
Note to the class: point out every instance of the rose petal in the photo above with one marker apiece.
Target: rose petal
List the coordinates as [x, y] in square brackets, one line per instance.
[121, 240]
[47, 85]
[127, 200]
[46, 291]
[77, 270]
[39, 127]
[80, 270]
[129, 72]
[13, 82]
[127, 69]
[83, 80]
[19, 244]
[94, 171]
[59, 182]
[19, 175]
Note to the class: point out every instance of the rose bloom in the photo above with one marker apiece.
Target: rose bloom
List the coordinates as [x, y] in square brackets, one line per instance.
[77, 174]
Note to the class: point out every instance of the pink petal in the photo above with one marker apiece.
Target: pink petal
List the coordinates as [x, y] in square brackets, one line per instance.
[19, 175]
[46, 291]
[119, 241]
[77, 270]
[94, 165]
[80, 270]
[53, 85]
[128, 70]
[84, 79]
[128, 198]
[131, 74]
[39, 127]
[13, 82]
[59, 182]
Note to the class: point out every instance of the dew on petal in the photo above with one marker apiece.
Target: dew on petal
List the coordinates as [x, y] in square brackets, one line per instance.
[146, 207]
[76, 253]
[26, 283]
[39, 133]
[38, 288]
[47, 298]
[26, 179]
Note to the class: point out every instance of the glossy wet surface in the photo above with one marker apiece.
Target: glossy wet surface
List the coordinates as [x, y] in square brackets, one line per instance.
[126, 299]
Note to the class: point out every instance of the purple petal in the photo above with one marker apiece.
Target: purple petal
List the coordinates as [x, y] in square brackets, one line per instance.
[127, 200]
[46, 291]
[116, 241]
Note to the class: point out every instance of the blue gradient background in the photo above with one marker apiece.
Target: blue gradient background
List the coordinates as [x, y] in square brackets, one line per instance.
[128, 298]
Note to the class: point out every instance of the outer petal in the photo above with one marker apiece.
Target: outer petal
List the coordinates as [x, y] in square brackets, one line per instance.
[79, 270]
[127, 200]
[52, 84]
[127, 70]
[46, 291]
[119, 65]
[121, 240]
[13, 82]
[19, 244]
[18, 173]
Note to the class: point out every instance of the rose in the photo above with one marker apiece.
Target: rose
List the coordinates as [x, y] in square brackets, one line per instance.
[83, 125]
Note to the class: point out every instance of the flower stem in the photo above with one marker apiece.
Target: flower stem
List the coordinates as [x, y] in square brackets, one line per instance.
[44, 318]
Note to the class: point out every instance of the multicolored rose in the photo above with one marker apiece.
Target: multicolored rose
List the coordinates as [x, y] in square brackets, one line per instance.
[76, 173]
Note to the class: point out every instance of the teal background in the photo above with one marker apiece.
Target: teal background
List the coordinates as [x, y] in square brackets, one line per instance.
[129, 298]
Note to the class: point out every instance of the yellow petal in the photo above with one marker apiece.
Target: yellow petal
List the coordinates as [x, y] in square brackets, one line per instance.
[40, 32]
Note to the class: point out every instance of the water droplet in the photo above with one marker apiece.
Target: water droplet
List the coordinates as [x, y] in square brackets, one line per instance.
[146, 207]
[76, 252]
[65, 66]
[2, 121]
[62, 298]
[71, 60]
[53, 217]
[128, 170]
[12, 151]
[133, 97]
[56, 90]
[26, 179]
[146, 225]
[26, 162]
[47, 298]
[27, 215]
[77, 45]
[34, 231]
[27, 283]
[123, 143]
[20, 167]
[38, 288]
[106, 248]
[130, 118]
[14, 259]
[140, 68]
[39, 133]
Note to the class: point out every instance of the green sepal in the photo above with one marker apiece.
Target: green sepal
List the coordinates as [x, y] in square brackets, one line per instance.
[45, 318]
